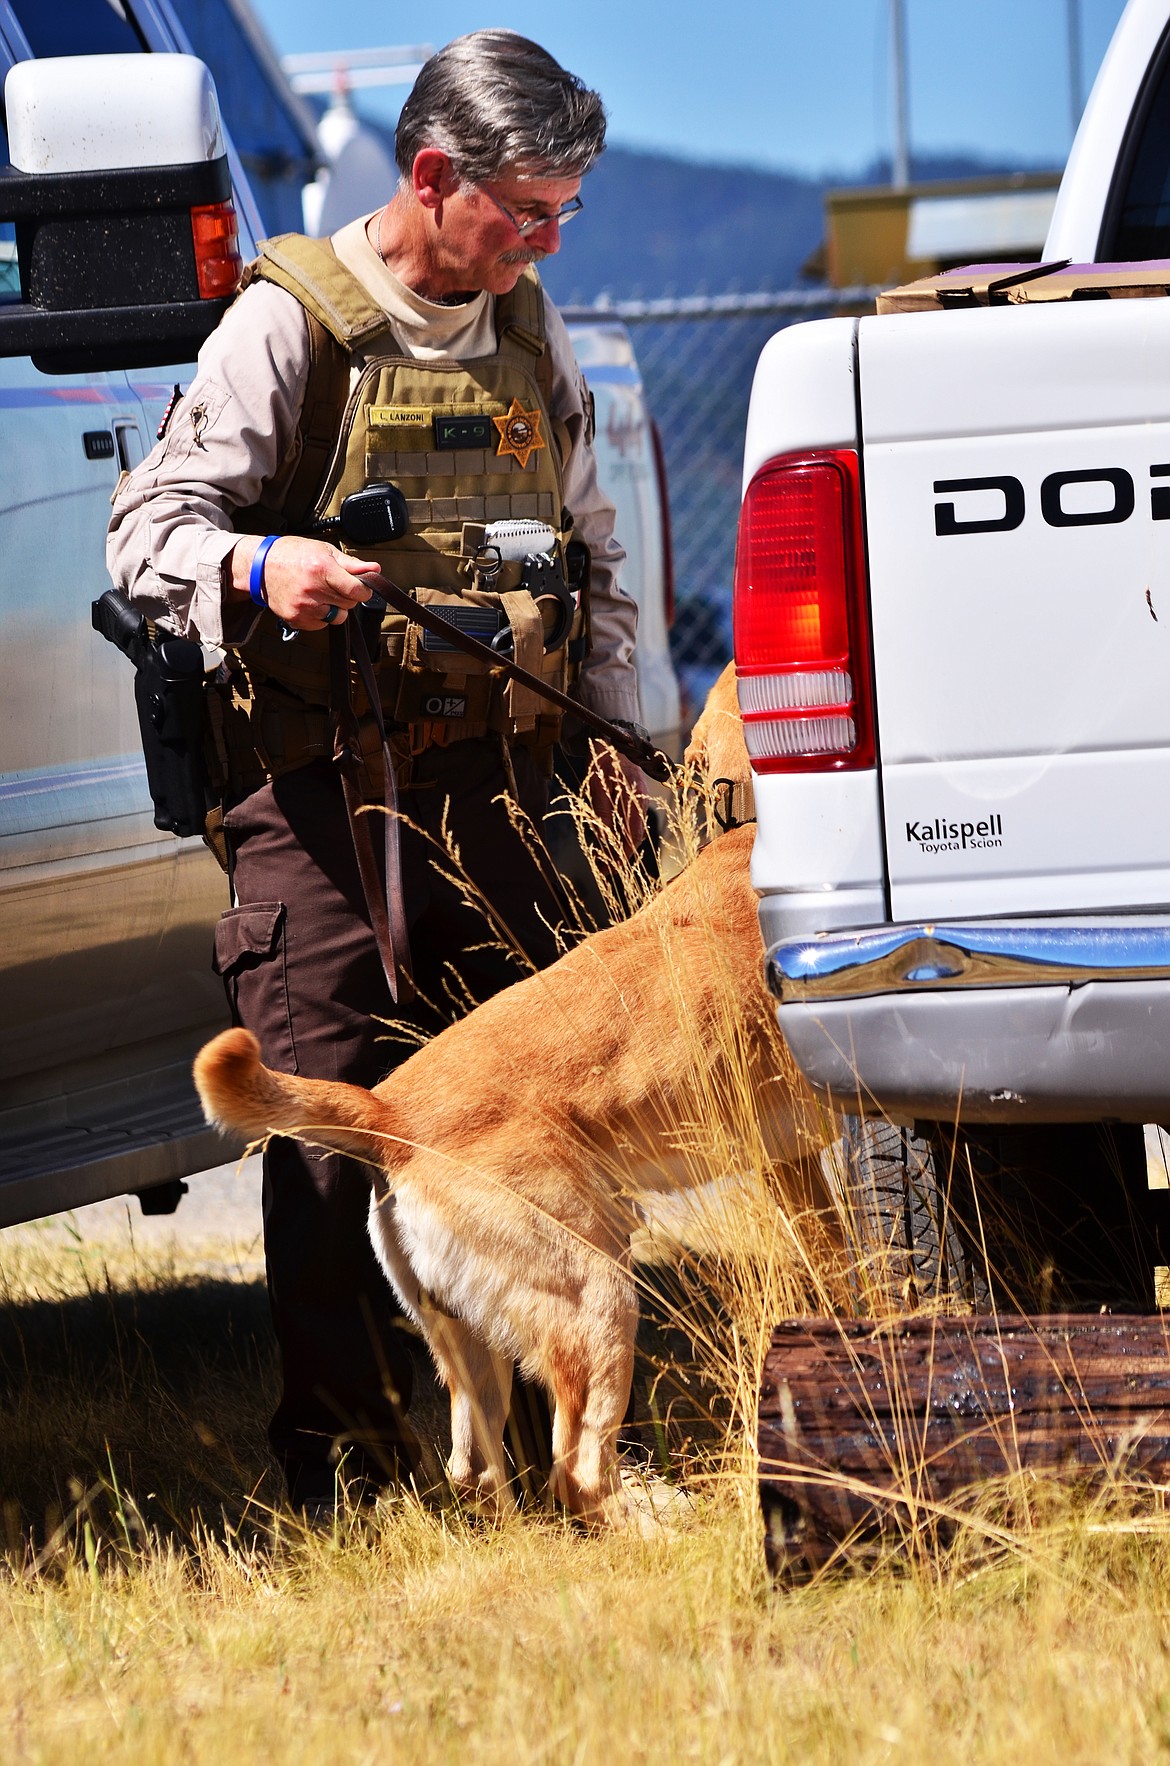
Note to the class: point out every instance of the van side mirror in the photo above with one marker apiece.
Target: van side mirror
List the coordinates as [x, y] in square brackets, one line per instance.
[119, 188]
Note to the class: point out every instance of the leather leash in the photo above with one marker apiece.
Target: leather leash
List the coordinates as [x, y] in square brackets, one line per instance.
[387, 907]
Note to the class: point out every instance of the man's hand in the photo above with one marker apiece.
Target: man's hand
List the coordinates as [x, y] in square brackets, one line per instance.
[617, 794]
[304, 578]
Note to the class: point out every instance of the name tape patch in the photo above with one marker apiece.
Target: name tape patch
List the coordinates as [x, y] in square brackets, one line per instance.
[401, 416]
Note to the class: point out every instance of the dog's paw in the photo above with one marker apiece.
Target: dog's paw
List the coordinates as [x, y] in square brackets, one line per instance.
[652, 1505]
[483, 1496]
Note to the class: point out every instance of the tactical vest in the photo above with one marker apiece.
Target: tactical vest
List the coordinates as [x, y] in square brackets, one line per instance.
[468, 443]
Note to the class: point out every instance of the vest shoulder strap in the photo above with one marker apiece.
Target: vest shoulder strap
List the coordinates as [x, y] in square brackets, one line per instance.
[520, 323]
[326, 391]
[340, 317]
[311, 270]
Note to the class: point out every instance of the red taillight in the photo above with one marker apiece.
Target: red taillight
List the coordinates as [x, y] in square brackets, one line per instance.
[217, 253]
[801, 636]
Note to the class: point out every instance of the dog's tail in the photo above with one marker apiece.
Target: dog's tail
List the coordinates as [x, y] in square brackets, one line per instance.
[238, 1092]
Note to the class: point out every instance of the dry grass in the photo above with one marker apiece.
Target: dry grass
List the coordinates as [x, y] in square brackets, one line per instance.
[419, 1637]
[155, 1603]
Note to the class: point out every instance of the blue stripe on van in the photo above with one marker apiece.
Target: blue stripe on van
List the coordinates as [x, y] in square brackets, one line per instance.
[53, 797]
[613, 374]
[14, 398]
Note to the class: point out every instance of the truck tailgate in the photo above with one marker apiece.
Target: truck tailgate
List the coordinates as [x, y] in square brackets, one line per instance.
[1021, 628]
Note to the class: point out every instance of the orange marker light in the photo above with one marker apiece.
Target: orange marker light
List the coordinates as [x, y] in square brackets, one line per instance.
[217, 252]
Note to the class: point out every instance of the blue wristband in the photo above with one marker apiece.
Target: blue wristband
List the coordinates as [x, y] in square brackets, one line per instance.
[256, 574]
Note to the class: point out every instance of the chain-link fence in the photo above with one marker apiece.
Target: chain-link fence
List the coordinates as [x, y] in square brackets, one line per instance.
[697, 357]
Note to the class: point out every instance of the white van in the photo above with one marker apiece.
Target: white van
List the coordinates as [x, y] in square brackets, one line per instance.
[632, 470]
[105, 922]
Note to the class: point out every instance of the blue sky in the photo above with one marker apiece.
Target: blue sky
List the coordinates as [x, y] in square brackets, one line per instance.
[798, 84]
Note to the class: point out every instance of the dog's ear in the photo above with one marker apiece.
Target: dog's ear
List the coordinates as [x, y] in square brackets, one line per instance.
[239, 1093]
[717, 749]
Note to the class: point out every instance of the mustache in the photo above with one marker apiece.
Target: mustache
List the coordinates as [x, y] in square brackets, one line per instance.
[523, 257]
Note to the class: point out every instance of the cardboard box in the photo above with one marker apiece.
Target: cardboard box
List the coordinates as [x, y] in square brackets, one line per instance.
[982, 285]
[1097, 282]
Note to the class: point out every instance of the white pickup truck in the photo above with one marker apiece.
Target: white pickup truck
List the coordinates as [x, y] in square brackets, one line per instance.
[952, 637]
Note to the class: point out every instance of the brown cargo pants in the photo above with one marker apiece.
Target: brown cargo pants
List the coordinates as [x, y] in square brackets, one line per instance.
[301, 969]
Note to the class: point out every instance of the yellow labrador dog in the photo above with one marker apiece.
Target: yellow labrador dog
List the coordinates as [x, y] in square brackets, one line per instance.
[508, 1153]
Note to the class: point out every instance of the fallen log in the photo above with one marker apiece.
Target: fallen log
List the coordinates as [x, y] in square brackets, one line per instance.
[868, 1428]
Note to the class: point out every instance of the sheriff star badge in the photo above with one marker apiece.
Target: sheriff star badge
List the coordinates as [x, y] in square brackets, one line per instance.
[519, 433]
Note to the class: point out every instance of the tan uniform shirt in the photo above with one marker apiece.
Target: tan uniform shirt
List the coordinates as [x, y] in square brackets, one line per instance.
[171, 532]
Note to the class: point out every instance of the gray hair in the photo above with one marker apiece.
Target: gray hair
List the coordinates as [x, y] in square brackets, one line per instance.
[492, 101]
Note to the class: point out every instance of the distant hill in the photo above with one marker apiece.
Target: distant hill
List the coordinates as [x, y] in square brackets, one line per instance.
[657, 225]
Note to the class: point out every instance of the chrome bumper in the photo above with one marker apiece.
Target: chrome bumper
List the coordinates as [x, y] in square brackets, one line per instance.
[1003, 953]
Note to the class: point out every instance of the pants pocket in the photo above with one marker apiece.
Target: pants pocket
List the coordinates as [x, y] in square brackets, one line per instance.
[250, 958]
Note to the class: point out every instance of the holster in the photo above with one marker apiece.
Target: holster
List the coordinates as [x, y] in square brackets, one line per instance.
[169, 697]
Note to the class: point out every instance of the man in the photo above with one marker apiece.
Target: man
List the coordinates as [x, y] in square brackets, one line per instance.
[416, 347]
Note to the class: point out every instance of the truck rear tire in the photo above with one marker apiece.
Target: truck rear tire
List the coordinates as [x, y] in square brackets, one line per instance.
[908, 1240]
[1048, 1217]
[1060, 1213]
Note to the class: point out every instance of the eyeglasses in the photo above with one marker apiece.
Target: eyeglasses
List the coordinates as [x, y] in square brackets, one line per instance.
[524, 228]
